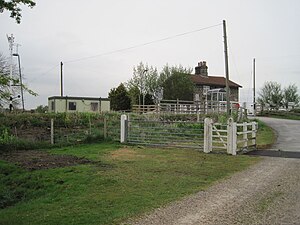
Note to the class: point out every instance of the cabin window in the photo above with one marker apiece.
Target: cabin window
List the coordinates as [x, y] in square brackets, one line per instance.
[94, 106]
[72, 105]
[53, 106]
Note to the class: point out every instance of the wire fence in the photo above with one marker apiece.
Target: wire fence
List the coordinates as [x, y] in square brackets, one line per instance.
[168, 133]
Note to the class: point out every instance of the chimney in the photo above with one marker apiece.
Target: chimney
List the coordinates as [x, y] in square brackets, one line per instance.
[201, 69]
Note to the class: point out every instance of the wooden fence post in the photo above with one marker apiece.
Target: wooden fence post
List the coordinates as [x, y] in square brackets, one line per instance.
[231, 137]
[234, 138]
[245, 135]
[105, 128]
[52, 131]
[254, 133]
[207, 135]
[123, 133]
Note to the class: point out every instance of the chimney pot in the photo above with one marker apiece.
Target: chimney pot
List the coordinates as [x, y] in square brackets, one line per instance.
[201, 69]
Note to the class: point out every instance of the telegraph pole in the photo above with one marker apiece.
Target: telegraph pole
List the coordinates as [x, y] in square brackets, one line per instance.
[226, 69]
[254, 101]
[61, 79]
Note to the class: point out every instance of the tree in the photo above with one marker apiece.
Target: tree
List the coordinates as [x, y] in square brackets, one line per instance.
[271, 95]
[145, 79]
[168, 71]
[178, 86]
[14, 8]
[290, 94]
[176, 83]
[41, 109]
[119, 98]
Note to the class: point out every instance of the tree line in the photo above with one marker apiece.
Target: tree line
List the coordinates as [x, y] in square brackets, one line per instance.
[147, 86]
[273, 96]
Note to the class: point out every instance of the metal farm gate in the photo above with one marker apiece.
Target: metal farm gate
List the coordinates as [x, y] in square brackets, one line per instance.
[152, 132]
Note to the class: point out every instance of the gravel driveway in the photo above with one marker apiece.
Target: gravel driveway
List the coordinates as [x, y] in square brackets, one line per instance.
[266, 193]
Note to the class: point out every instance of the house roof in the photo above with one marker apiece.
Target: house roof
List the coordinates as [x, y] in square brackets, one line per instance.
[213, 81]
[78, 98]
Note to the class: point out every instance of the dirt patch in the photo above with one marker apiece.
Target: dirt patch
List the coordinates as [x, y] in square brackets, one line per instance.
[126, 154]
[36, 160]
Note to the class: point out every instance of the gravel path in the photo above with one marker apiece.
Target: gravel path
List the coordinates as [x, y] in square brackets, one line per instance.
[266, 193]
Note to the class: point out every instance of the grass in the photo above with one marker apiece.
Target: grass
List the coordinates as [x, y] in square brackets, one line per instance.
[294, 115]
[123, 182]
[265, 136]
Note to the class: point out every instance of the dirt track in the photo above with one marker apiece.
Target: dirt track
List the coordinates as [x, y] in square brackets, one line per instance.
[267, 193]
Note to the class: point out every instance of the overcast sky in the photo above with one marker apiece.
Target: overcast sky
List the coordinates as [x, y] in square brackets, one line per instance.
[73, 31]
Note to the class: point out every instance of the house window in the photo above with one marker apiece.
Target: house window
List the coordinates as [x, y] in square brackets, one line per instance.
[72, 105]
[94, 106]
[52, 106]
[205, 89]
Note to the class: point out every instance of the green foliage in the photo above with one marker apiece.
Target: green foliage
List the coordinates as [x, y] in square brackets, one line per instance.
[119, 98]
[290, 94]
[273, 97]
[178, 86]
[144, 81]
[5, 137]
[271, 94]
[14, 8]
[41, 109]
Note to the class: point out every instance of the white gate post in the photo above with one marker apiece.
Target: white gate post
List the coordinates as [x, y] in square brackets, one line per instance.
[254, 134]
[234, 138]
[207, 135]
[231, 137]
[245, 135]
[123, 132]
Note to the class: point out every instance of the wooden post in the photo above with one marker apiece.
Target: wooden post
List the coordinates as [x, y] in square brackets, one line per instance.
[234, 138]
[52, 131]
[226, 70]
[207, 135]
[123, 133]
[254, 100]
[254, 134]
[105, 128]
[245, 135]
[90, 125]
[231, 137]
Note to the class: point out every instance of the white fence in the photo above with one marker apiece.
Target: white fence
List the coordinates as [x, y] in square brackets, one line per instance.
[232, 137]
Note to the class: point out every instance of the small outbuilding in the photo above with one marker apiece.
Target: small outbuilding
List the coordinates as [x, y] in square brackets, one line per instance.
[58, 104]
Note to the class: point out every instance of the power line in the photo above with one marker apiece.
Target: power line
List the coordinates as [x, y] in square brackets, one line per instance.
[43, 74]
[141, 45]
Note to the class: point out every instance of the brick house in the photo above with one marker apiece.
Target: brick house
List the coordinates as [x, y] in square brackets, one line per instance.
[204, 83]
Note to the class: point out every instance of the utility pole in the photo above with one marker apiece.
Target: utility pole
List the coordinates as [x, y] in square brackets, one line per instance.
[254, 100]
[11, 39]
[226, 70]
[61, 79]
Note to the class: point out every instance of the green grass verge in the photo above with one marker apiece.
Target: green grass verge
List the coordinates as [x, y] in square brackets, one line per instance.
[124, 182]
[294, 115]
[265, 136]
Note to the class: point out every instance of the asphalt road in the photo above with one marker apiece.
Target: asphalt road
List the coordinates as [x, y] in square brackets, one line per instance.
[288, 133]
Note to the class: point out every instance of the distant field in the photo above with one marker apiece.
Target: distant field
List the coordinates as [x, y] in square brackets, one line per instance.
[104, 183]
